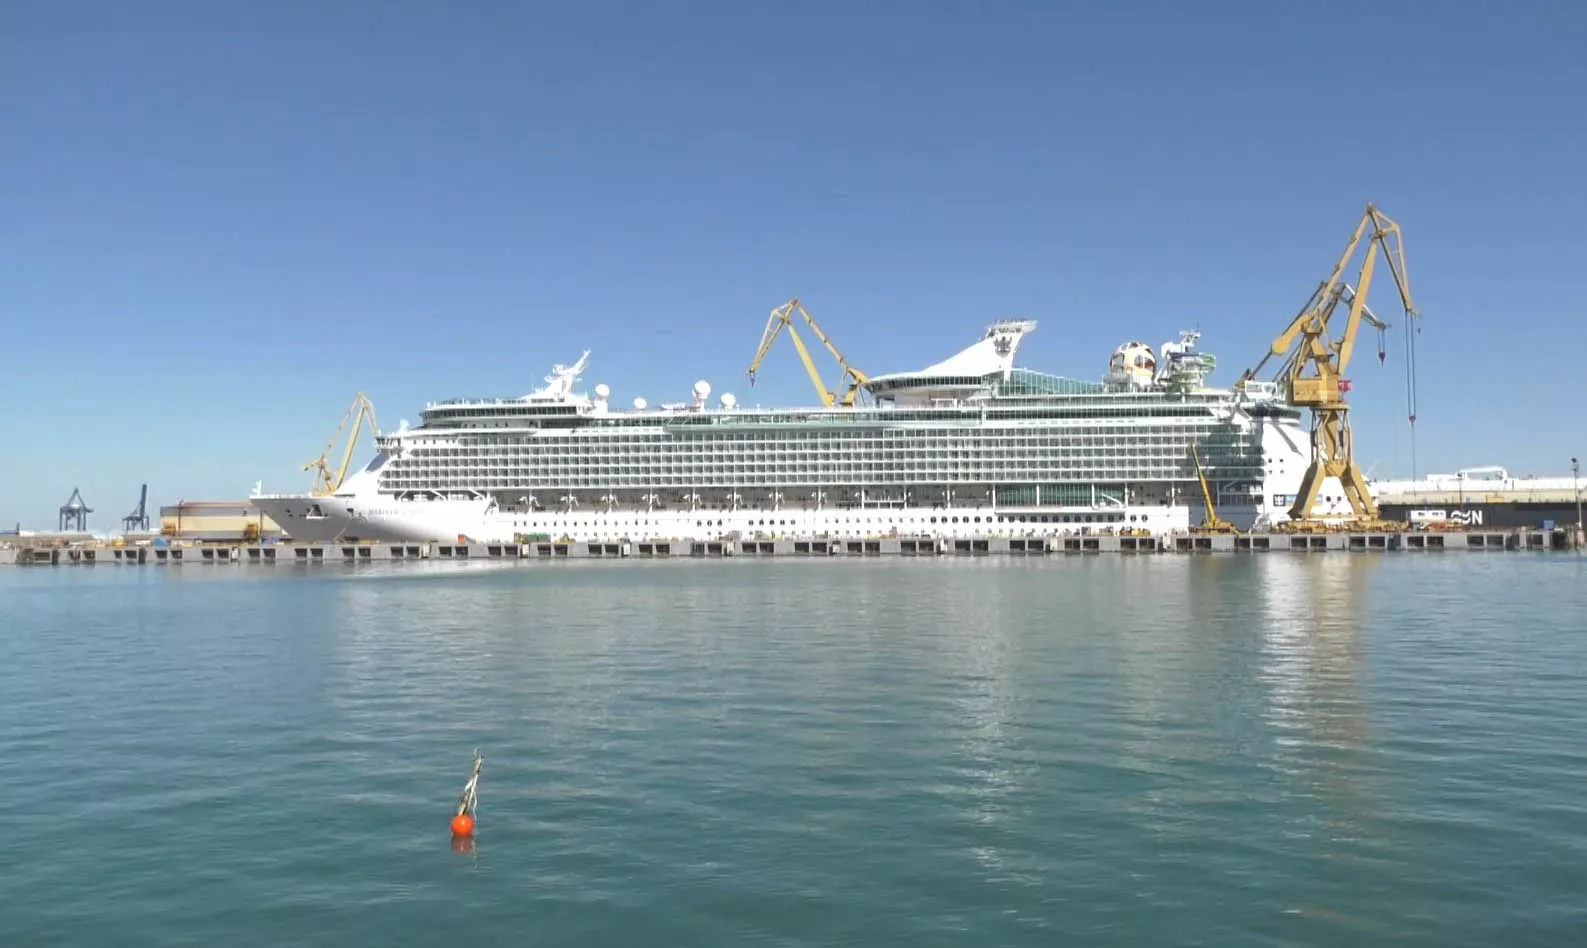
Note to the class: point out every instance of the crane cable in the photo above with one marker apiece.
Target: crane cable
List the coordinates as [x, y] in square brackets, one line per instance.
[1410, 385]
[1410, 378]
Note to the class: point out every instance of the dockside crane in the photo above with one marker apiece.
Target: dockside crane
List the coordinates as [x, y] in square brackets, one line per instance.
[852, 380]
[326, 480]
[74, 513]
[1210, 521]
[1312, 377]
[139, 518]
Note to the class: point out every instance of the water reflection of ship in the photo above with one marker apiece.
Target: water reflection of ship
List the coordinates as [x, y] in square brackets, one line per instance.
[987, 642]
[1246, 664]
[983, 657]
[1314, 616]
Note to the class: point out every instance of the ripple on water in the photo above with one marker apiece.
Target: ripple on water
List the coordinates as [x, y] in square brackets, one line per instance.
[1227, 750]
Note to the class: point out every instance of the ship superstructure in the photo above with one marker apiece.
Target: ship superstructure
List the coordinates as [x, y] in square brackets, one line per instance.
[971, 446]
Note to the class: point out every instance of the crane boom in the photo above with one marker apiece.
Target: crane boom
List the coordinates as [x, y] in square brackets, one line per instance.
[1319, 308]
[1313, 375]
[782, 318]
[327, 481]
[1341, 291]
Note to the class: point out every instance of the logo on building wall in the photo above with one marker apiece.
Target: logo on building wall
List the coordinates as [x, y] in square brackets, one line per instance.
[1468, 518]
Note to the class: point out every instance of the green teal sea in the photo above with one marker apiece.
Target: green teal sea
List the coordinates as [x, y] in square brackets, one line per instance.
[1283, 749]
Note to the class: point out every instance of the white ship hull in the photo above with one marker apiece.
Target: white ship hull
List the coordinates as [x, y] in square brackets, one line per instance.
[357, 514]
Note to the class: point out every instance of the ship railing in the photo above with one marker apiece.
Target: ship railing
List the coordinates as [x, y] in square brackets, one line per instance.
[446, 402]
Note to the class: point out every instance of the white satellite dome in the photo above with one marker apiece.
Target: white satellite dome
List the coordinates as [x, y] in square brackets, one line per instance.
[728, 401]
[1133, 362]
[602, 391]
[702, 388]
[639, 404]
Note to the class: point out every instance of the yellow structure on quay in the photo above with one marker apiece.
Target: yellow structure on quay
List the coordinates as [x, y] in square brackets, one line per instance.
[217, 520]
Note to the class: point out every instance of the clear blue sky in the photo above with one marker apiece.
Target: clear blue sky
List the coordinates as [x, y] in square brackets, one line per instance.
[222, 219]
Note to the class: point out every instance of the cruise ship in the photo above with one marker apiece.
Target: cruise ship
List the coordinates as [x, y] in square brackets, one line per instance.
[973, 446]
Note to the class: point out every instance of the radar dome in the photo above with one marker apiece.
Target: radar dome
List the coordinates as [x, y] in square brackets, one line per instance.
[702, 388]
[728, 401]
[601, 390]
[1133, 362]
[639, 404]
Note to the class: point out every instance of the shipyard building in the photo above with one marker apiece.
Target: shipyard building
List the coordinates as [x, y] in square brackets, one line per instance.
[217, 520]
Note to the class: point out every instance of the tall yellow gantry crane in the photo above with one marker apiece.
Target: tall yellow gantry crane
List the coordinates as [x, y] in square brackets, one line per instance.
[327, 481]
[781, 318]
[1313, 375]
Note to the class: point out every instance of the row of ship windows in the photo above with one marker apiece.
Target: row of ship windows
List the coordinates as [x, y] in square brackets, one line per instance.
[921, 496]
[970, 440]
[1068, 463]
[639, 465]
[649, 462]
[1174, 453]
[858, 475]
[885, 521]
[770, 429]
[967, 428]
[915, 469]
[594, 484]
[683, 480]
[1121, 408]
[785, 456]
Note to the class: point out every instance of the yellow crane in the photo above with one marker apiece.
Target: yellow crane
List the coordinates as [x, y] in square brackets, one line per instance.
[781, 318]
[1313, 376]
[327, 481]
[1210, 523]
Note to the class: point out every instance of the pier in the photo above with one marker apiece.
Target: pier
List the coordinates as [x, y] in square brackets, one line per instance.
[551, 551]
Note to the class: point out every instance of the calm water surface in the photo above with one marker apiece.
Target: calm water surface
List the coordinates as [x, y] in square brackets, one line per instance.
[1257, 750]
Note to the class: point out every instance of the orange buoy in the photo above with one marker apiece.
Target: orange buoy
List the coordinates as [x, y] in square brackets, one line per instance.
[463, 822]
